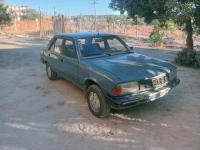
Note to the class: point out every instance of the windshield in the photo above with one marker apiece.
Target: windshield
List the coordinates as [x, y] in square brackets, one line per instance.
[103, 45]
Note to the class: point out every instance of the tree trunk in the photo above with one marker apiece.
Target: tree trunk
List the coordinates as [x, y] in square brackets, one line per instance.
[189, 40]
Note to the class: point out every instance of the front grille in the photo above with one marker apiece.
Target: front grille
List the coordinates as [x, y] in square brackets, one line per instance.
[159, 81]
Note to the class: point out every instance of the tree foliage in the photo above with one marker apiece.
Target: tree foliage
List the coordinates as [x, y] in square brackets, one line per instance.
[160, 30]
[149, 9]
[185, 13]
[118, 5]
[197, 16]
[4, 16]
[31, 14]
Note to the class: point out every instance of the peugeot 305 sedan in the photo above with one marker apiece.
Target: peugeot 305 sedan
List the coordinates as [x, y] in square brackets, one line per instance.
[110, 73]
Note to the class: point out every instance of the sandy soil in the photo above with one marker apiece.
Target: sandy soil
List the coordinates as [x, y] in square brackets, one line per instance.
[38, 114]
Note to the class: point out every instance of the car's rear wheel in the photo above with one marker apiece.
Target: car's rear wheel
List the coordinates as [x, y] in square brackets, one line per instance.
[50, 73]
[97, 102]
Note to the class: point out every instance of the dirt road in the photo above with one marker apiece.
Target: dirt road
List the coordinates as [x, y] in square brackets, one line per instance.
[38, 114]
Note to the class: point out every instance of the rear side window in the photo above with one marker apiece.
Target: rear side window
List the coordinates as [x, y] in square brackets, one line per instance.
[58, 46]
[49, 44]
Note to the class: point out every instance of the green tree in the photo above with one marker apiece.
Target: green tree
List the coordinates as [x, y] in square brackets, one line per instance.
[4, 16]
[185, 13]
[118, 5]
[160, 30]
[31, 14]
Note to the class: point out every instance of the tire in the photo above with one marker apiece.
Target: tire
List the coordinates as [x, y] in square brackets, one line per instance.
[97, 102]
[50, 73]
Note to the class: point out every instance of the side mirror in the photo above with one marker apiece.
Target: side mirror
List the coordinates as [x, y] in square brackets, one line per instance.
[131, 48]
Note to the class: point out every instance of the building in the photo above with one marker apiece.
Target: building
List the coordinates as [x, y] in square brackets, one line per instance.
[1, 1]
[17, 11]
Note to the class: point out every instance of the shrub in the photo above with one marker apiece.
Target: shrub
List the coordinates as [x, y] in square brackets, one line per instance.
[184, 60]
[32, 14]
[157, 36]
[161, 30]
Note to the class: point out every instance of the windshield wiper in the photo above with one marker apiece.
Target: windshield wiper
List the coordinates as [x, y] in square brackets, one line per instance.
[109, 54]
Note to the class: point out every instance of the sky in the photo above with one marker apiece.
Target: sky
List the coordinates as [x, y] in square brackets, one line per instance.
[67, 7]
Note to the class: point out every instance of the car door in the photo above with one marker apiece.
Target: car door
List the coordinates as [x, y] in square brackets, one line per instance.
[69, 60]
[54, 54]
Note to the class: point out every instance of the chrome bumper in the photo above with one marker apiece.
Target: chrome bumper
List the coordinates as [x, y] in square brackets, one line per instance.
[123, 102]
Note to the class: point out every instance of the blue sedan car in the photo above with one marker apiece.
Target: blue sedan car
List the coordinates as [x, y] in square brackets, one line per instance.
[110, 73]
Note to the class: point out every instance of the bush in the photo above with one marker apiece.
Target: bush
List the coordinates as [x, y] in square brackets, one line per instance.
[32, 14]
[5, 17]
[184, 60]
[157, 36]
[161, 30]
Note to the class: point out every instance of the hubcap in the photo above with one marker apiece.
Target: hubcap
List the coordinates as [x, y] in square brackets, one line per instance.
[94, 101]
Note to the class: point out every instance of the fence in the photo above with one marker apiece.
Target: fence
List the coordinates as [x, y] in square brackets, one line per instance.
[46, 26]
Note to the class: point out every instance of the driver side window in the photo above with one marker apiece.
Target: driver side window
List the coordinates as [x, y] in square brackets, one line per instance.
[69, 48]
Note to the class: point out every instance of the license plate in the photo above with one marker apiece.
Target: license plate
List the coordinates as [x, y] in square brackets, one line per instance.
[157, 95]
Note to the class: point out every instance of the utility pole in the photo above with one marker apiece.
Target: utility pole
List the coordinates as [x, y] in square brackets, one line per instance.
[95, 14]
[136, 26]
[54, 11]
[80, 22]
[40, 22]
[54, 19]
[15, 22]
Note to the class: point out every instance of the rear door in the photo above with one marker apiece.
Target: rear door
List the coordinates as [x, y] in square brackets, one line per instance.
[55, 51]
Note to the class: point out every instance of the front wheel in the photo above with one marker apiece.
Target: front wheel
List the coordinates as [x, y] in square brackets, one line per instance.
[50, 73]
[97, 102]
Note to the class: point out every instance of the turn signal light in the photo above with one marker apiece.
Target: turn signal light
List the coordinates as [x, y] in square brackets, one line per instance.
[116, 91]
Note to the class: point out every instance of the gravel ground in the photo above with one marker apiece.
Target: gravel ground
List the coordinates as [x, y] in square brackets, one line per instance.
[38, 114]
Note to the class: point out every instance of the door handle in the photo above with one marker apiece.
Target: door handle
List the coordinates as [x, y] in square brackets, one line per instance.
[62, 60]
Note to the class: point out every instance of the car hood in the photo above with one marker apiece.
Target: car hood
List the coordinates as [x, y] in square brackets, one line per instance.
[131, 67]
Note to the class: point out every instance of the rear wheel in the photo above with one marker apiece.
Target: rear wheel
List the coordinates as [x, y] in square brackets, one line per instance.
[97, 102]
[50, 73]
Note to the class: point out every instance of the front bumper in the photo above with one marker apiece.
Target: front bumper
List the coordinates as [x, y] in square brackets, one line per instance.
[127, 101]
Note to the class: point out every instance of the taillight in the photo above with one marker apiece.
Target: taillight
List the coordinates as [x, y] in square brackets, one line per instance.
[116, 91]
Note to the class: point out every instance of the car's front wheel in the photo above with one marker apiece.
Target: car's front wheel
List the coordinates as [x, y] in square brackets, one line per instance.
[97, 102]
[50, 73]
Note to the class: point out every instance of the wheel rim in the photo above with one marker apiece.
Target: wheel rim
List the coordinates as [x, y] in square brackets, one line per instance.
[94, 101]
[49, 71]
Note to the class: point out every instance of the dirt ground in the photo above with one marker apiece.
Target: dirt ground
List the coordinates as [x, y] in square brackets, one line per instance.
[38, 114]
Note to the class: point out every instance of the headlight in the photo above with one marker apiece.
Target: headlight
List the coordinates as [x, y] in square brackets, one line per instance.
[172, 74]
[125, 88]
[130, 87]
[145, 87]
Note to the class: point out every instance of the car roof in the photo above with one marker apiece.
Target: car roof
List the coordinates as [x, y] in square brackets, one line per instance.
[83, 34]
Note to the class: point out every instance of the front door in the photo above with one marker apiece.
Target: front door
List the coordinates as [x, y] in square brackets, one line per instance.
[69, 60]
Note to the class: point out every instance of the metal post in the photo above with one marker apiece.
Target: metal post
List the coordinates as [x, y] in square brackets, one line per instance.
[95, 14]
[40, 23]
[80, 23]
[136, 26]
[15, 23]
